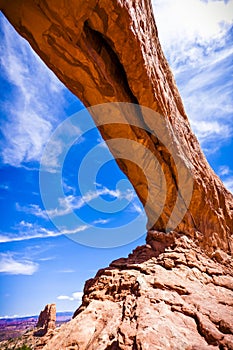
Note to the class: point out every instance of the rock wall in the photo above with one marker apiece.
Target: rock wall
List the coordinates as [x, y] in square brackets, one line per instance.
[108, 51]
[169, 296]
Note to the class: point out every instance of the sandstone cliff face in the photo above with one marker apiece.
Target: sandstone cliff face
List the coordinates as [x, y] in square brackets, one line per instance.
[108, 51]
[169, 296]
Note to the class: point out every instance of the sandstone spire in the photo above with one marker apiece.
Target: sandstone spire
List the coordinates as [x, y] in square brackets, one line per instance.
[46, 320]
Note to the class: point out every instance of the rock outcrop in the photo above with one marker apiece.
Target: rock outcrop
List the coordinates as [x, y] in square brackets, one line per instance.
[175, 292]
[165, 295]
[108, 51]
[46, 320]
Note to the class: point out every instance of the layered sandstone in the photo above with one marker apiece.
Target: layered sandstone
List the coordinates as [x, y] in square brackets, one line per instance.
[108, 51]
[165, 295]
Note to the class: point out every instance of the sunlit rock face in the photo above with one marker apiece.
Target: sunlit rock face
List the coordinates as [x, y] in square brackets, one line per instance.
[176, 291]
[167, 295]
[108, 51]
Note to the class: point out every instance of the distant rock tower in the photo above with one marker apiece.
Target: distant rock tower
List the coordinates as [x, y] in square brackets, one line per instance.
[46, 320]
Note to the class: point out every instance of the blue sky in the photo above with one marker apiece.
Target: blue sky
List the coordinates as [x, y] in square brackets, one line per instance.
[38, 263]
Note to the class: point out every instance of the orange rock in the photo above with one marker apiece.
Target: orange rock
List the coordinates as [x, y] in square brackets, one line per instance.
[109, 51]
[46, 320]
[167, 294]
[143, 302]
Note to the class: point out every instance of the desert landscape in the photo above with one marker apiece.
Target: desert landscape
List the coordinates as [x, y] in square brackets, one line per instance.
[175, 290]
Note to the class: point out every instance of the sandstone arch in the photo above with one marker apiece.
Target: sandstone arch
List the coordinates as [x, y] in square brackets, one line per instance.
[85, 46]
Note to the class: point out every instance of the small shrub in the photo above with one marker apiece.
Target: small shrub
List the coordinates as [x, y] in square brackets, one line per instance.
[24, 347]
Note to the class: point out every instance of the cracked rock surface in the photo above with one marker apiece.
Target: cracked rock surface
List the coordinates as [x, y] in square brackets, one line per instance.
[173, 297]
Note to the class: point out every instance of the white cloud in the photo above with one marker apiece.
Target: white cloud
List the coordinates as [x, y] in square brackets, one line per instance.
[74, 296]
[136, 208]
[211, 131]
[28, 230]
[101, 221]
[102, 143]
[25, 231]
[66, 271]
[52, 159]
[182, 23]
[67, 188]
[16, 316]
[33, 209]
[64, 297]
[36, 100]
[12, 266]
[196, 37]
[71, 202]
[77, 295]
[4, 187]
[224, 170]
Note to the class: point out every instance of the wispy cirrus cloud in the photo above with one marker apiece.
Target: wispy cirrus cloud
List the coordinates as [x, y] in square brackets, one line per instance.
[70, 203]
[136, 207]
[27, 231]
[52, 160]
[224, 170]
[190, 30]
[13, 266]
[36, 101]
[196, 36]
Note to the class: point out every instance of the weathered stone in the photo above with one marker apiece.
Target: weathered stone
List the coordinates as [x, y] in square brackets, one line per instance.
[108, 51]
[141, 304]
[46, 320]
[167, 294]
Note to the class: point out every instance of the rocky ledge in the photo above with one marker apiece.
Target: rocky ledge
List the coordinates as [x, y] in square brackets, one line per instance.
[166, 295]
